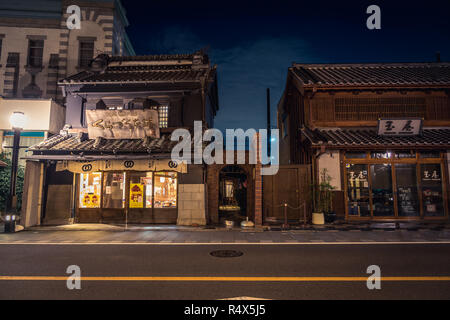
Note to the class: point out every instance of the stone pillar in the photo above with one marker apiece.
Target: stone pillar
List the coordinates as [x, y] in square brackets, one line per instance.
[32, 194]
[191, 205]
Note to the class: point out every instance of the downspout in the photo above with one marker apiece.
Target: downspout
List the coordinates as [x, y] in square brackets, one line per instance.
[74, 189]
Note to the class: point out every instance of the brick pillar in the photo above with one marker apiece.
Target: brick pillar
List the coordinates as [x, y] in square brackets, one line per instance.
[258, 182]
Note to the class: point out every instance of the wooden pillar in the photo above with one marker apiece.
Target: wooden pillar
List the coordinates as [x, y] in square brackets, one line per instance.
[258, 181]
[32, 194]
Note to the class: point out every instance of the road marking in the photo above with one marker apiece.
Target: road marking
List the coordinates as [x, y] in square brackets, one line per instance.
[63, 243]
[226, 279]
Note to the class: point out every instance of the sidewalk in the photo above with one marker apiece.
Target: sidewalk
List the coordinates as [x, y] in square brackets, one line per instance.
[105, 234]
[338, 226]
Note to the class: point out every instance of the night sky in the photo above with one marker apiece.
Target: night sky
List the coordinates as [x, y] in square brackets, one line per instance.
[254, 42]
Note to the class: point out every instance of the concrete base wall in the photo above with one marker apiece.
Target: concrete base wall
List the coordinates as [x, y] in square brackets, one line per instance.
[191, 204]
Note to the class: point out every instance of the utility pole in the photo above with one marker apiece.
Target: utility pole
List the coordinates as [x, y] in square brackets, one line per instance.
[268, 121]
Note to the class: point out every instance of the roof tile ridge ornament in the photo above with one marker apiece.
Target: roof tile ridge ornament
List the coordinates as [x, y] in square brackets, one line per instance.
[81, 136]
[146, 143]
[100, 63]
[99, 141]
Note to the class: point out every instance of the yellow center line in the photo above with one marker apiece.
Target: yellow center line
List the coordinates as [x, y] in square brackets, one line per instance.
[220, 279]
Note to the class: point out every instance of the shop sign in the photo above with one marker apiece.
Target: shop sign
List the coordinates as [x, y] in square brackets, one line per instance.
[122, 165]
[90, 201]
[136, 195]
[433, 175]
[399, 127]
[122, 124]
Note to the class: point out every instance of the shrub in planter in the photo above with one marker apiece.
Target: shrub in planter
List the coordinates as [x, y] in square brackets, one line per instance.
[5, 175]
[323, 200]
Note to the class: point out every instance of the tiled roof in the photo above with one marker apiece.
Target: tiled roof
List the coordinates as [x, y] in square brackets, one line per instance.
[344, 138]
[138, 76]
[2, 164]
[380, 74]
[155, 57]
[73, 144]
[185, 68]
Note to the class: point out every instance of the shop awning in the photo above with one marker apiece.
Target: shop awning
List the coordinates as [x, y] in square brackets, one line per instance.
[338, 138]
[122, 165]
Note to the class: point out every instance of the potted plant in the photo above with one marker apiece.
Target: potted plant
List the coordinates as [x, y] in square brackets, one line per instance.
[323, 200]
[327, 196]
[317, 201]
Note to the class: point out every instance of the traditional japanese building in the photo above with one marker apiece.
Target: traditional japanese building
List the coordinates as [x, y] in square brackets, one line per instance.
[381, 130]
[112, 162]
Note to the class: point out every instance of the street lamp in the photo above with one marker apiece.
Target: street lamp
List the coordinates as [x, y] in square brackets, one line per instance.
[17, 121]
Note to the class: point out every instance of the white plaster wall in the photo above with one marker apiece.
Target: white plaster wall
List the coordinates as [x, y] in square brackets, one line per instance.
[38, 114]
[331, 161]
[191, 204]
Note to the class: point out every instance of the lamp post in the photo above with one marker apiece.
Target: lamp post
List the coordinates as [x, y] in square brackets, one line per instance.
[17, 121]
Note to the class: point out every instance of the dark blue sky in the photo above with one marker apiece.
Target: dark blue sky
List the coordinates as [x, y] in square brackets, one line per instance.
[253, 42]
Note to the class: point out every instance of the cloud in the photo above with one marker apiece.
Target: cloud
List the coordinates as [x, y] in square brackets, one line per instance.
[244, 71]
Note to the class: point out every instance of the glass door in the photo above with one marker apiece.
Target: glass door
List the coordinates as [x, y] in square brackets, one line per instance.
[382, 190]
[408, 202]
[358, 190]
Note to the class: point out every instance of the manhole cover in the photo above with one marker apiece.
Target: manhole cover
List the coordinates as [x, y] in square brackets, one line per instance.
[226, 253]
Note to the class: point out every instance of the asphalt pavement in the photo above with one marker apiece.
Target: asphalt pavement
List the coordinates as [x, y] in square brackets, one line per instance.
[188, 271]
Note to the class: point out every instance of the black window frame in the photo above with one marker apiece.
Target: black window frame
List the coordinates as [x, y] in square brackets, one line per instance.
[84, 62]
[34, 60]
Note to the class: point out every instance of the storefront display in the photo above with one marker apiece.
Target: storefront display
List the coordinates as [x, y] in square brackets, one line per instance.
[141, 192]
[165, 192]
[114, 190]
[386, 184]
[90, 190]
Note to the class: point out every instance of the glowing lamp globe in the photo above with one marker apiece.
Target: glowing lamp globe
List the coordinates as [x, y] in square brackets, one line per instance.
[18, 120]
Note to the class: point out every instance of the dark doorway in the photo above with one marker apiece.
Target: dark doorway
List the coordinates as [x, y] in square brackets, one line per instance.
[233, 183]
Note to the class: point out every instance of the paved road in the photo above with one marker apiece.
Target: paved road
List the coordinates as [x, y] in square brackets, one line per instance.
[277, 271]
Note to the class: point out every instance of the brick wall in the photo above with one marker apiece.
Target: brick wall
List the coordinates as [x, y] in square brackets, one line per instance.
[213, 172]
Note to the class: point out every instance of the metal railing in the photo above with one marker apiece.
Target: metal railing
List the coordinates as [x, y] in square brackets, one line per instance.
[285, 205]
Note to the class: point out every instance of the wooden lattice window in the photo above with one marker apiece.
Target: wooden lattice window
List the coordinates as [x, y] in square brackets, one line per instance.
[360, 109]
[163, 115]
[438, 108]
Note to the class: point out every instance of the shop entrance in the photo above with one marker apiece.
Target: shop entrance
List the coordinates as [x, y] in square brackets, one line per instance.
[127, 197]
[233, 183]
[391, 185]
